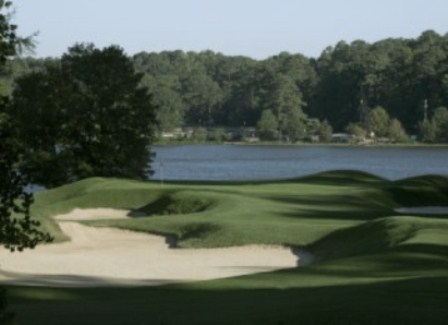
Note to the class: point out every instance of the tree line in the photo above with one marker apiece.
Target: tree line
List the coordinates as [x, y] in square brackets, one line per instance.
[286, 94]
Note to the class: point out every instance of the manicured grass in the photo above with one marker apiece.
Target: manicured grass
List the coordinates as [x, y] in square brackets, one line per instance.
[294, 212]
[374, 266]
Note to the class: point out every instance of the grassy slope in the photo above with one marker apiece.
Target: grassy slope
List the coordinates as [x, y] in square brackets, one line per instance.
[374, 267]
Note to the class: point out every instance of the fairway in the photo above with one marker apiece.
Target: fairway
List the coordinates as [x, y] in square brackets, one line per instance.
[372, 264]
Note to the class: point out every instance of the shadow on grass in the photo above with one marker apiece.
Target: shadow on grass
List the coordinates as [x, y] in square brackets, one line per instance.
[406, 260]
[426, 249]
[366, 238]
[342, 207]
[418, 196]
[376, 236]
[420, 191]
[412, 301]
[66, 280]
[344, 177]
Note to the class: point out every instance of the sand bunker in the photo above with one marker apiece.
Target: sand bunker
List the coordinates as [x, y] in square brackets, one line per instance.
[93, 214]
[108, 256]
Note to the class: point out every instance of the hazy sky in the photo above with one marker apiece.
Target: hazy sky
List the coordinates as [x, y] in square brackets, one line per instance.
[256, 28]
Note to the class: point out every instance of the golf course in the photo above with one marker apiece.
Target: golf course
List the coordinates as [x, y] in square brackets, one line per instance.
[338, 247]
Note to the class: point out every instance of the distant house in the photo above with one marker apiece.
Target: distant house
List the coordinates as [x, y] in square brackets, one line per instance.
[341, 137]
[177, 133]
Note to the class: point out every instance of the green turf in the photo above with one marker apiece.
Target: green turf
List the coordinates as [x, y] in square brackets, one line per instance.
[373, 265]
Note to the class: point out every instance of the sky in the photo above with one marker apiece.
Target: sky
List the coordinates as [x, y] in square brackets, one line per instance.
[254, 28]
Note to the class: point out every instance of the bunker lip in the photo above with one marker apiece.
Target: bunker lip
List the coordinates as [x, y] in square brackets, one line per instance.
[428, 210]
[97, 257]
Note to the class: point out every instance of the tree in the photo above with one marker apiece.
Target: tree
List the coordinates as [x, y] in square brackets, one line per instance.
[396, 131]
[395, 73]
[283, 98]
[433, 129]
[427, 131]
[378, 121]
[444, 132]
[238, 79]
[325, 131]
[199, 134]
[267, 126]
[439, 120]
[218, 135]
[355, 130]
[202, 96]
[17, 229]
[298, 68]
[167, 97]
[294, 126]
[87, 116]
[343, 72]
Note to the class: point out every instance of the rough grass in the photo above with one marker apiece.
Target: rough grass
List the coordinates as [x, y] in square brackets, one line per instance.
[374, 266]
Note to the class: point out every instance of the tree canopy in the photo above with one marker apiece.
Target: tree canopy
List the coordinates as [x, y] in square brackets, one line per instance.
[341, 86]
[87, 115]
[17, 229]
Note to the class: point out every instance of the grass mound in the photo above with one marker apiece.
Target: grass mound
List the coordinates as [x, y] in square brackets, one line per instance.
[378, 236]
[176, 203]
[420, 191]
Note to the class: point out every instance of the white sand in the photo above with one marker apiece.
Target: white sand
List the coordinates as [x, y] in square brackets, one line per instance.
[93, 214]
[108, 256]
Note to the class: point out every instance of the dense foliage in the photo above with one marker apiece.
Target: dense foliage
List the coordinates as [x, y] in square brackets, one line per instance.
[86, 115]
[17, 229]
[406, 77]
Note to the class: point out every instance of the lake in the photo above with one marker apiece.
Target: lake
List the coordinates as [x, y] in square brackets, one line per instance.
[261, 162]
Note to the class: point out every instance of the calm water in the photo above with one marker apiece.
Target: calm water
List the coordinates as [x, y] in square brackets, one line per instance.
[235, 162]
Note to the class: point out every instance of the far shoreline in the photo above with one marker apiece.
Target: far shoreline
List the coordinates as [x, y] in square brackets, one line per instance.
[302, 144]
